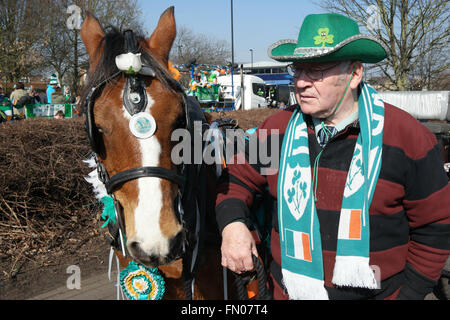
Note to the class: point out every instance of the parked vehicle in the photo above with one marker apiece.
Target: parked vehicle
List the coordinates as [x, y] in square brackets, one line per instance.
[252, 97]
[431, 108]
[280, 95]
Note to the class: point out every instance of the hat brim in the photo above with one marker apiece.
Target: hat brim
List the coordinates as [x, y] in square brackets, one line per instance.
[360, 47]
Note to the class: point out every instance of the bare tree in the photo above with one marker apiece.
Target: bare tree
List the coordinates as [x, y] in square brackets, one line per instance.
[430, 72]
[414, 31]
[201, 49]
[122, 14]
[189, 46]
[64, 51]
[55, 39]
[19, 30]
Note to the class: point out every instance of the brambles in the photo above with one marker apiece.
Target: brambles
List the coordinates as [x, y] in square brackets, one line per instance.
[44, 200]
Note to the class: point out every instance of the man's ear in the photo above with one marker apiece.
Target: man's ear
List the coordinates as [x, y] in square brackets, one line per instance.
[92, 34]
[358, 71]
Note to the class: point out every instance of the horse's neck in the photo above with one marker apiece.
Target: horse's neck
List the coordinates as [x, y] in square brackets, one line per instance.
[194, 110]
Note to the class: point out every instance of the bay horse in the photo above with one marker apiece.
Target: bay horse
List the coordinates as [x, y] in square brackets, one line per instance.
[165, 214]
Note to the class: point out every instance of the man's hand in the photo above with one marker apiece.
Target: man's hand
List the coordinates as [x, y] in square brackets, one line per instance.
[238, 246]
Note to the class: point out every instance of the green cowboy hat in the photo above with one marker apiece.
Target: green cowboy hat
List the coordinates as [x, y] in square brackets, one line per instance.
[329, 37]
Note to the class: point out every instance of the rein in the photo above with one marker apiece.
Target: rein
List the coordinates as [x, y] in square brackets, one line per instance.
[135, 101]
[263, 292]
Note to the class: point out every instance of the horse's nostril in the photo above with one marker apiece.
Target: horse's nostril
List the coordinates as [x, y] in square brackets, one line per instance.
[134, 245]
[134, 248]
[136, 251]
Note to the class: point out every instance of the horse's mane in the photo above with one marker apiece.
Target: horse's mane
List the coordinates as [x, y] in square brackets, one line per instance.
[113, 45]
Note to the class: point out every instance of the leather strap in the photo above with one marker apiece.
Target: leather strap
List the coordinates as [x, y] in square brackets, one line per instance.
[143, 172]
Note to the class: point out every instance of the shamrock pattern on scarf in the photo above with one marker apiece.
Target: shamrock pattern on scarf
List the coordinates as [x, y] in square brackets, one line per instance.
[298, 191]
[355, 174]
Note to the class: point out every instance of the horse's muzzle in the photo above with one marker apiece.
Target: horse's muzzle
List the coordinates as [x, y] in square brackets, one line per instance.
[155, 260]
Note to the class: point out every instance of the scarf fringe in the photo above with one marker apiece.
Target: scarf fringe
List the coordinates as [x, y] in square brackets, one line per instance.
[301, 287]
[352, 271]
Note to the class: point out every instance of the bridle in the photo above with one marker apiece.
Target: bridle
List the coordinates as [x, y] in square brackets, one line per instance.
[135, 87]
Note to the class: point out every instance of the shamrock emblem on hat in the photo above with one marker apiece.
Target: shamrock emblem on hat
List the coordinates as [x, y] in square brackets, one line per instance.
[323, 37]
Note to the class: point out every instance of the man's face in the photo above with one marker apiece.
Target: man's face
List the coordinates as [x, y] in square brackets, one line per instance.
[320, 86]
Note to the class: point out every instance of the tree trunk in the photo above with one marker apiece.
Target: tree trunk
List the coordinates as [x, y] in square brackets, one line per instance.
[76, 73]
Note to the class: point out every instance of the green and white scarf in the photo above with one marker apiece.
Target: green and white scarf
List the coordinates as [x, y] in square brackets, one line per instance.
[301, 250]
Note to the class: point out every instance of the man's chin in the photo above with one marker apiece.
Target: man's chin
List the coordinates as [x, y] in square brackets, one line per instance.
[312, 110]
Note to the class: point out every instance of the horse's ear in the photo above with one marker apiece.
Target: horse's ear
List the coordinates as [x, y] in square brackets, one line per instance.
[92, 34]
[160, 42]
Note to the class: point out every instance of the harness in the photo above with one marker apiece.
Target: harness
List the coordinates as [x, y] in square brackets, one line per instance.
[188, 208]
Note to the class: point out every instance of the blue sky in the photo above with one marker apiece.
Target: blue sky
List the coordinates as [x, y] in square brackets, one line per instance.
[257, 23]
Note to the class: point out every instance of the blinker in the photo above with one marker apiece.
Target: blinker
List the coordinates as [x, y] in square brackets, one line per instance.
[134, 95]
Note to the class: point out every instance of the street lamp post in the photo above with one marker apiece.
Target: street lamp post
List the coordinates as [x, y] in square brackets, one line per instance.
[232, 53]
[251, 53]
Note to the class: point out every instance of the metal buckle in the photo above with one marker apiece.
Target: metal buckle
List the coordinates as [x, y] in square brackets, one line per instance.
[102, 174]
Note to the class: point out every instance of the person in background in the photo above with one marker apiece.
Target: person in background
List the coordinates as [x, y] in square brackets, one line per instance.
[41, 96]
[51, 88]
[30, 98]
[6, 103]
[57, 96]
[362, 201]
[59, 115]
[16, 95]
[68, 95]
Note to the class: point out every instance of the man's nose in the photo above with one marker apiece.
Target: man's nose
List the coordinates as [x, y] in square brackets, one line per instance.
[302, 81]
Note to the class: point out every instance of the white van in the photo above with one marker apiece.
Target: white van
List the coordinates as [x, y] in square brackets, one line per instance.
[254, 91]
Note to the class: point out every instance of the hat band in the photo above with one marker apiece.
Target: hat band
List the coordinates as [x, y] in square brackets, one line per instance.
[312, 51]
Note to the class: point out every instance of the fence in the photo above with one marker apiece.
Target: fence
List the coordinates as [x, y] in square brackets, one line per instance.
[41, 110]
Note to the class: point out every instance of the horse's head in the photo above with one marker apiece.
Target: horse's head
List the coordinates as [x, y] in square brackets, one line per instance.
[148, 195]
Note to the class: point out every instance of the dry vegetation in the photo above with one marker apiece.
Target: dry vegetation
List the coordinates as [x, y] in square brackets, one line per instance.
[45, 204]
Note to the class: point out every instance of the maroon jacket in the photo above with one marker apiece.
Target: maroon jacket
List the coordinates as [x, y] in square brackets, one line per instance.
[409, 213]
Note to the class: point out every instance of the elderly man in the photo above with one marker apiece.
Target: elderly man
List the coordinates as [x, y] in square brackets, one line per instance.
[362, 200]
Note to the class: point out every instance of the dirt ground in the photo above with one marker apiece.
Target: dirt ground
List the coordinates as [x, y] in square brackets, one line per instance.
[28, 269]
[48, 270]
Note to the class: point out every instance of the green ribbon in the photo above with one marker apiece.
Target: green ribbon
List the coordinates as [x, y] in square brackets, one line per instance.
[109, 211]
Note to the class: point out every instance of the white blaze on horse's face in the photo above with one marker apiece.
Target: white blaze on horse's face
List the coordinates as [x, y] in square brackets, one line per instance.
[147, 232]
